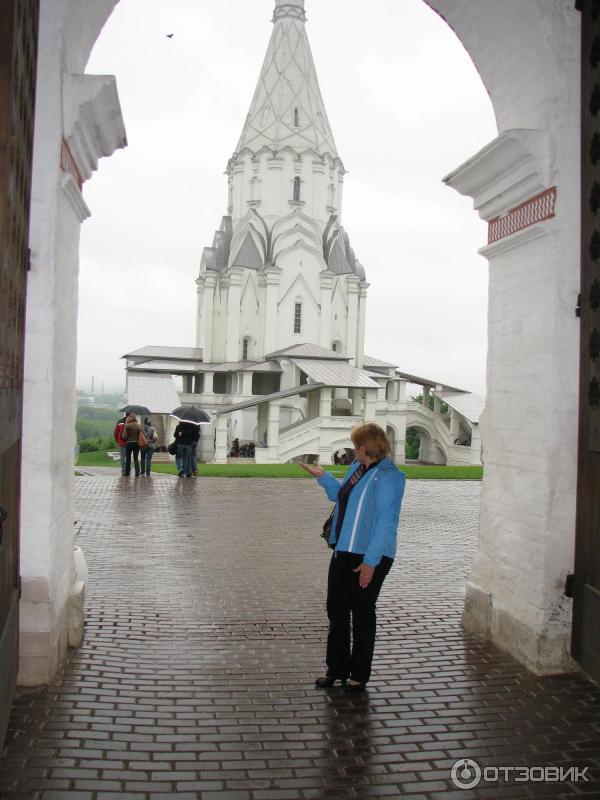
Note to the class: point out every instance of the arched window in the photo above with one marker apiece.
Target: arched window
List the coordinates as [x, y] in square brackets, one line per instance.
[296, 190]
[297, 317]
[296, 118]
[334, 347]
[245, 345]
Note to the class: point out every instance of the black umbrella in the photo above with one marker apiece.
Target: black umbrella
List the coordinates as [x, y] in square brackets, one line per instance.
[191, 414]
[135, 410]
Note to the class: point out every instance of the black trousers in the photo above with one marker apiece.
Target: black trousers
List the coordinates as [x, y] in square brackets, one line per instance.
[352, 609]
[135, 449]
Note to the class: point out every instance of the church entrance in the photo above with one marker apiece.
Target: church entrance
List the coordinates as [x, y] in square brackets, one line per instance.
[18, 49]
[586, 618]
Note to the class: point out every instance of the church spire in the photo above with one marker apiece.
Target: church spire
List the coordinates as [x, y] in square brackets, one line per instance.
[287, 109]
[289, 8]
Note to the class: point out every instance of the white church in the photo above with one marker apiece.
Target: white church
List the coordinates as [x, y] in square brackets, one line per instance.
[279, 359]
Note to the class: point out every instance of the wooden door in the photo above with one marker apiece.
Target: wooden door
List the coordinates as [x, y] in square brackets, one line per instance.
[18, 59]
[586, 609]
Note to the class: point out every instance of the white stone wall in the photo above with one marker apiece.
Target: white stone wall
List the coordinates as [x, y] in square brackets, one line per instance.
[528, 57]
[68, 30]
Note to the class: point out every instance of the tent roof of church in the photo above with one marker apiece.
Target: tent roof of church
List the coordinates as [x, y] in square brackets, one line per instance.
[428, 382]
[307, 350]
[335, 373]
[287, 109]
[369, 361]
[265, 398]
[171, 353]
[171, 367]
[468, 404]
[179, 367]
[157, 392]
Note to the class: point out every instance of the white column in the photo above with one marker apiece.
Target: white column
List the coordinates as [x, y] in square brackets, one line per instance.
[232, 346]
[326, 289]
[221, 447]
[272, 279]
[426, 396]
[208, 383]
[437, 404]
[370, 404]
[454, 423]
[245, 383]
[199, 303]
[205, 323]
[356, 395]
[325, 402]
[400, 443]
[402, 391]
[353, 286]
[362, 315]
[273, 432]
[476, 438]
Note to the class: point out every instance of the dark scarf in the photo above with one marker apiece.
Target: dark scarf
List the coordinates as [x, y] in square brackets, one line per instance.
[344, 494]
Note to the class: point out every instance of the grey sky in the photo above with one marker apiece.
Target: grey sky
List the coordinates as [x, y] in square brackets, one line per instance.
[406, 106]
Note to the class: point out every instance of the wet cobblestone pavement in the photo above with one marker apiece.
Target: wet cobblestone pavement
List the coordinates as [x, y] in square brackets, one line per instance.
[205, 630]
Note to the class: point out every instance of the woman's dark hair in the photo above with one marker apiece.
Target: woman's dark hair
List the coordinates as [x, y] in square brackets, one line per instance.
[373, 438]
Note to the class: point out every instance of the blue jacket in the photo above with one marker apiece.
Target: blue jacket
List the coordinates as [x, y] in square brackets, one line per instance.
[371, 519]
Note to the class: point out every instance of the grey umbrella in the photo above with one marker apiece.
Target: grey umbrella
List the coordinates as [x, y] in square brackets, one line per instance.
[191, 414]
[133, 409]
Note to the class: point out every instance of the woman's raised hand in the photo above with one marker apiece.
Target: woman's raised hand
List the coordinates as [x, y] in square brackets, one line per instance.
[315, 470]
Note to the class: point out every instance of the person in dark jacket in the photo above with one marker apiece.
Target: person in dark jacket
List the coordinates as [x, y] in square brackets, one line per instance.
[131, 435]
[185, 436]
[363, 539]
[151, 445]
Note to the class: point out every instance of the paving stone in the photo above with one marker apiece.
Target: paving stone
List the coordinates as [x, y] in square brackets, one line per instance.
[205, 628]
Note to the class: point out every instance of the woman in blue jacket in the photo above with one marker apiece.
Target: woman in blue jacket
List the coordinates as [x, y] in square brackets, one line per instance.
[363, 539]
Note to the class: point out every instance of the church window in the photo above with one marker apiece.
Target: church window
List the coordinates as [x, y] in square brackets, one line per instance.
[296, 118]
[245, 342]
[334, 347]
[296, 190]
[297, 317]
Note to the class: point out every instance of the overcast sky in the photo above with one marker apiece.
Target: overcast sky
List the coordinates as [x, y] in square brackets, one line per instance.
[406, 106]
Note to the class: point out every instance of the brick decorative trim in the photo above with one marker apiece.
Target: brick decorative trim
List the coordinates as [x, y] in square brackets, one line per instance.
[68, 165]
[536, 209]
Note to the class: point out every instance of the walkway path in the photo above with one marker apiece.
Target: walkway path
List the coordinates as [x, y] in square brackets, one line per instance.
[205, 630]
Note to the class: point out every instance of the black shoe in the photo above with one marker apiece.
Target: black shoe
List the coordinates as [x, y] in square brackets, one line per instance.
[147, 474]
[355, 688]
[181, 474]
[327, 682]
[137, 474]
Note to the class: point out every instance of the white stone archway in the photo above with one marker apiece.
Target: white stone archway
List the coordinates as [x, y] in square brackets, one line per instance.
[525, 183]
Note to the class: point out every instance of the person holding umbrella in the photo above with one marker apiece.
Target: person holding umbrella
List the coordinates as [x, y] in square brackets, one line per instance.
[187, 434]
[131, 435]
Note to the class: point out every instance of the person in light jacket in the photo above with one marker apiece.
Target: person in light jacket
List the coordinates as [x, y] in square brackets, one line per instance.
[363, 539]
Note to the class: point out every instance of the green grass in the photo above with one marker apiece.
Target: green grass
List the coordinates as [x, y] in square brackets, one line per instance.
[287, 470]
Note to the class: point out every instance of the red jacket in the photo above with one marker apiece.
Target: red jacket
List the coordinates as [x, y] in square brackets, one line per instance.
[117, 434]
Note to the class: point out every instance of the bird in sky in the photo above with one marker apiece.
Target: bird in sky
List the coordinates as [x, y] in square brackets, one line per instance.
[169, 35]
